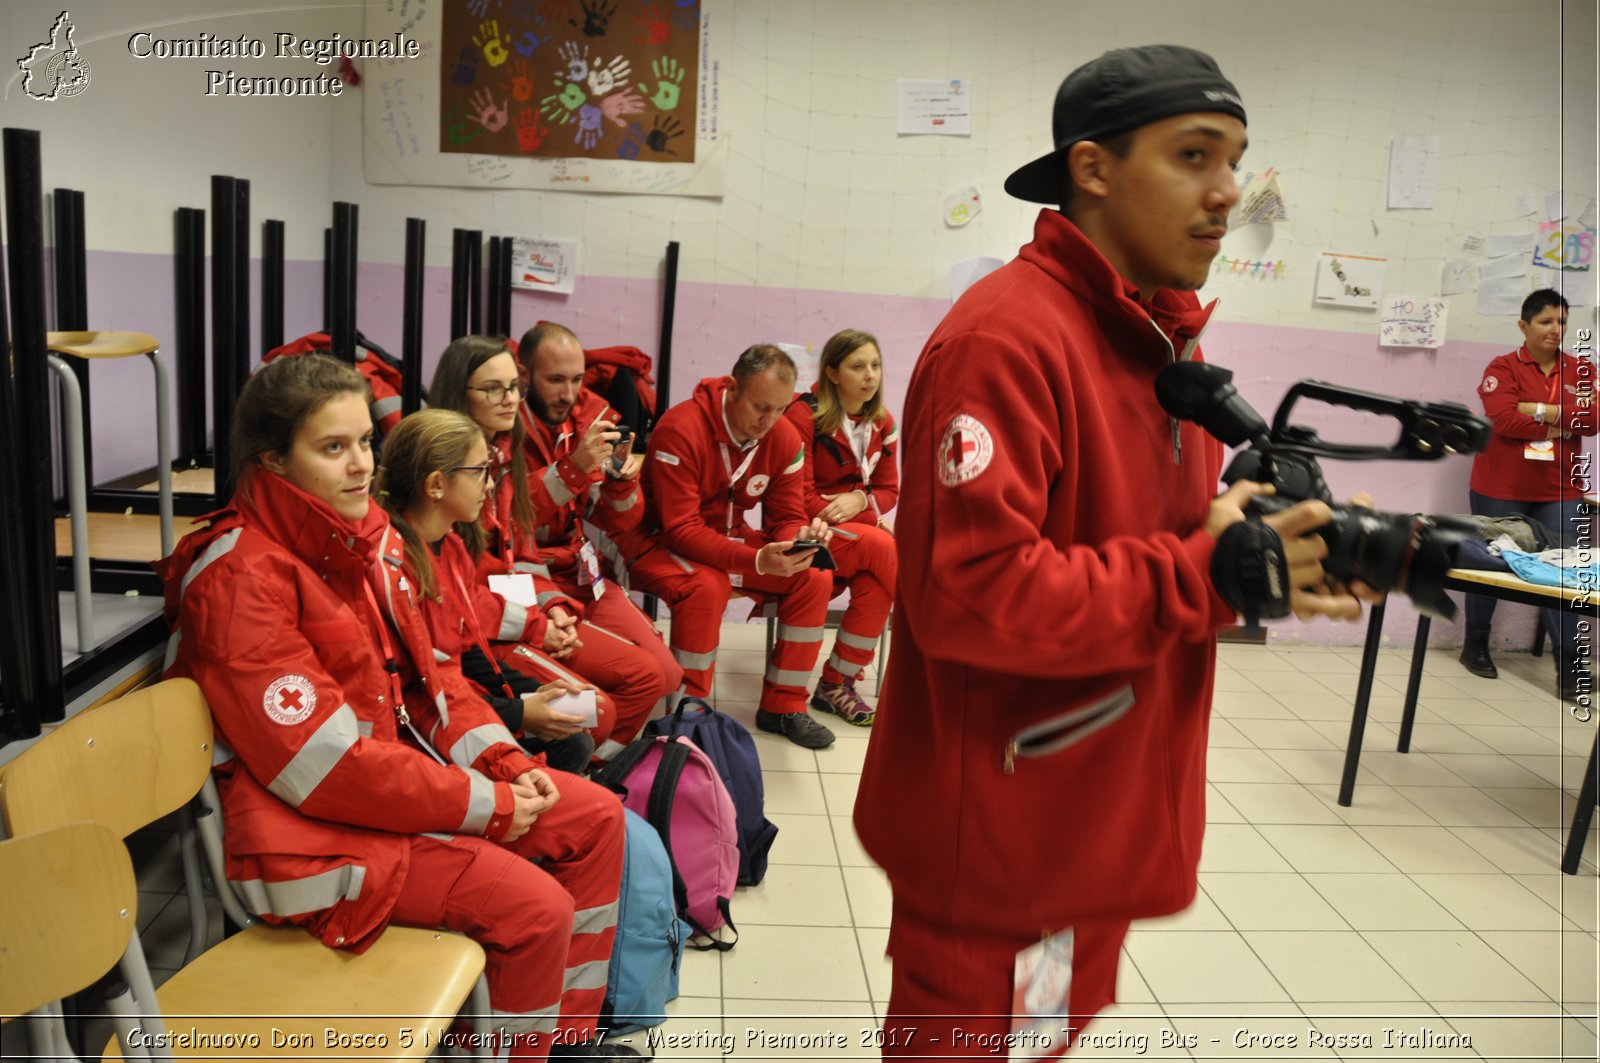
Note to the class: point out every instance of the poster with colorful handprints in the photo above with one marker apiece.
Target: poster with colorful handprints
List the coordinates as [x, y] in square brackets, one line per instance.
[564, 95]
[595, 79]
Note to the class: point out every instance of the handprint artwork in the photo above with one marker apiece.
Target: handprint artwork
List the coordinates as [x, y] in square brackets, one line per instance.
[620, 75]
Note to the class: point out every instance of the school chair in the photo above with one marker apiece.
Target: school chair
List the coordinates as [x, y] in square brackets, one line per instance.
[128, 763]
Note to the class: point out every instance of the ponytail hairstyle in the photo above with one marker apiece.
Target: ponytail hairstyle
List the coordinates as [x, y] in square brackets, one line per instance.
[280, 397]
[830, 412]
[449, 392]
[424, 443]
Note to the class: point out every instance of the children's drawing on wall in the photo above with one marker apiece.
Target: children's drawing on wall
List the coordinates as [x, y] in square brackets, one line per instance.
[1564, 245]
[1349, 280]
[1410, 321]
[592, 79]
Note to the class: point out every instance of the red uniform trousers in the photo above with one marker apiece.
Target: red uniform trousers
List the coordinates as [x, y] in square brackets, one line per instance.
[945, 980]
[698, 597]
[603, 661]
[615, 612]
[868, 565]
[546, 928]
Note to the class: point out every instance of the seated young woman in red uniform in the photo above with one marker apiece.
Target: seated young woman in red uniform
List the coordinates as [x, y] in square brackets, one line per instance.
[361, 784]
[478, 376]
[851, 482]
[435, 474]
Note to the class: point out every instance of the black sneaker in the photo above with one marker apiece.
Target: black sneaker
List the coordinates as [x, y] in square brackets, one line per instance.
[797, 727]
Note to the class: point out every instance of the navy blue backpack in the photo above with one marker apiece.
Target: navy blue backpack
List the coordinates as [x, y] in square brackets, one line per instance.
[648, 949]
[732, 752]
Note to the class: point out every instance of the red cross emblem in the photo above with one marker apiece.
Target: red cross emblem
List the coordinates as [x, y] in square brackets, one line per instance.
[289, 699]
[965, 450]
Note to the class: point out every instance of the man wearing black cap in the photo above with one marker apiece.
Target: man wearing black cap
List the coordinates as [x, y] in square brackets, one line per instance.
[1036, 776]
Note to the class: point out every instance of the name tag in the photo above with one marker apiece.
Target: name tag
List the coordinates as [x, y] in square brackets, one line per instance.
[1540, 450]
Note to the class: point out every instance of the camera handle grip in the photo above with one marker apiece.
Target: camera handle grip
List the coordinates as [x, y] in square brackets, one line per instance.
[1251, 572]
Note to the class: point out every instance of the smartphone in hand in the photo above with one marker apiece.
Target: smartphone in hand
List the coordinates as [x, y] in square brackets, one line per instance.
[821, 559]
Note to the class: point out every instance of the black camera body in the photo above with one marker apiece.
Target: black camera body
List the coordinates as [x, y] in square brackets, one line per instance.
[1407, 552]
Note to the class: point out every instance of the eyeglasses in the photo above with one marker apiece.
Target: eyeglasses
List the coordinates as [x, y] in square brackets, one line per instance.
[497, 391]
[480, 471]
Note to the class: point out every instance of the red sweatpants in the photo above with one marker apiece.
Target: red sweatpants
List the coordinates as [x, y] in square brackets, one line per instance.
[615, 612]
[950, 997]
[546, 928]
[868, 565]
[698, 596]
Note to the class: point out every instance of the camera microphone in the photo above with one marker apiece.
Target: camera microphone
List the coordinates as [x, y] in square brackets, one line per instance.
[1204, 393]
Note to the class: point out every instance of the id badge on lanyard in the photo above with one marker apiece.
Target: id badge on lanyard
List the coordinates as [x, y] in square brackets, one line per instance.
[734, 475]
[392, 667]
[1544, 449]
[589, 569]
[1041, 992]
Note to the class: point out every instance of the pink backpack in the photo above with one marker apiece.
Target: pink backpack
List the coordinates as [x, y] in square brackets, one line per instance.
[676, 788]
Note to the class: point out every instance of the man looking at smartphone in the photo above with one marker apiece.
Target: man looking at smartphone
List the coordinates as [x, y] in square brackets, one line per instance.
[581, 470]
[712, 459]
[1036, 777]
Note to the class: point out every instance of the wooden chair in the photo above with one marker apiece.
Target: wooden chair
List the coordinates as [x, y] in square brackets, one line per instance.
[132, 761]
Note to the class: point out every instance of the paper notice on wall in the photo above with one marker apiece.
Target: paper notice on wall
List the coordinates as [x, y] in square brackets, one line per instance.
[807, 363]
[1413, 172]
[1525, 202]
[1409, 321]
[1509, 244]
[1501, 296]
[1555, 206]
[1574, 287]
[1586, 216]
[1460, 275]
[970, 271]
[1349, 280]
[940, 106]
[1474, 244]
[1504, 266]
[544, 265]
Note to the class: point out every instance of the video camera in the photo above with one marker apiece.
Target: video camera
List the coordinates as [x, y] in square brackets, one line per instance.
[1408, 552]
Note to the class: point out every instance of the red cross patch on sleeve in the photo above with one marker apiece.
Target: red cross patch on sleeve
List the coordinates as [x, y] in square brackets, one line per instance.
[289, 699]
[965, 450]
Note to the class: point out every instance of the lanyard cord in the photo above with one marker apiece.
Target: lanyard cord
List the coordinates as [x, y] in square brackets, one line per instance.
[734, 476]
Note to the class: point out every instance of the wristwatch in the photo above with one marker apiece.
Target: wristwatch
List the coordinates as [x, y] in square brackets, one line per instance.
[1538, 412]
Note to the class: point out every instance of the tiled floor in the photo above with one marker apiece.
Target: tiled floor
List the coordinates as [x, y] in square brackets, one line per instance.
[1432, 909]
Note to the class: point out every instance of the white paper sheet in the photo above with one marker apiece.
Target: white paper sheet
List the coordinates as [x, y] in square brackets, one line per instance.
[1459, 275]
[938, 106]
[1504, 266]
[1349, 280]
[970, 271]
[1509, 244]
[1413, 172]
[544, 265]
[1501, 296]
[1410, 321]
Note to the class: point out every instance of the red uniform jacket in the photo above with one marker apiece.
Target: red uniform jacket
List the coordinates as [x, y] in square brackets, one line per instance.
[564, 495]
[832, 467]
[1501, 470]
[1039, 753]
[285, 614]
[699, 486]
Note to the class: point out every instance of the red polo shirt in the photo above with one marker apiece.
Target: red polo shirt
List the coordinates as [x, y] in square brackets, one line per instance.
[1504, 470]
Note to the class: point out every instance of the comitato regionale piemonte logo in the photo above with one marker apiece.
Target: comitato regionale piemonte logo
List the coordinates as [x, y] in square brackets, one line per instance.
[54, 68]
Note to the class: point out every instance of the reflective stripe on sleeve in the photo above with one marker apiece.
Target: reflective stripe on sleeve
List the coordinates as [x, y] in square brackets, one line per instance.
[560, 493]
[470, 746]
[297, 896]
[480, 805]
[324, 749]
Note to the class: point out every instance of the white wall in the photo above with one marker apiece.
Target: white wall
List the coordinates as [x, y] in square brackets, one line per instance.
[822, 194]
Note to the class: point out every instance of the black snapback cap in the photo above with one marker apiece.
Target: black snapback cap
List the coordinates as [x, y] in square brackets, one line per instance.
[1122, 90]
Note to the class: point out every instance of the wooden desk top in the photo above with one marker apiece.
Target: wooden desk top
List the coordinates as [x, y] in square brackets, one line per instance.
[1511, 586]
